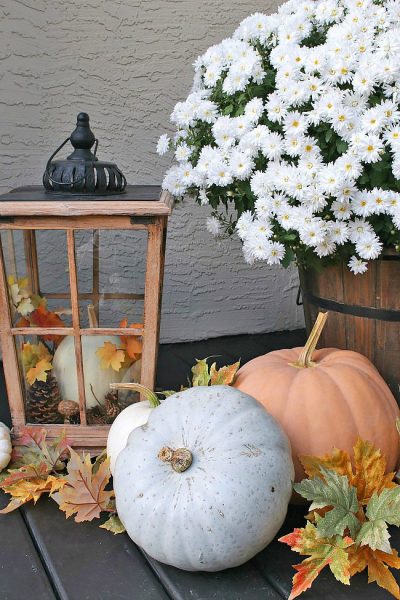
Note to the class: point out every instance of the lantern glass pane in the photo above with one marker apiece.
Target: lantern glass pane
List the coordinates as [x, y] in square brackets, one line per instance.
[109, 359]
[38, 279]
[111, 270]
[48, 376]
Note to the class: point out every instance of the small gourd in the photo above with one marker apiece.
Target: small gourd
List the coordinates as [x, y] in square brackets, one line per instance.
[5, 446]
[324, 399]
[205, 484]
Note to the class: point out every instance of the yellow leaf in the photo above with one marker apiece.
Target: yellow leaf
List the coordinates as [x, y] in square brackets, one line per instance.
[370, 467]
[114, 525]
[26, 490]
[110, 356]
[39, 372]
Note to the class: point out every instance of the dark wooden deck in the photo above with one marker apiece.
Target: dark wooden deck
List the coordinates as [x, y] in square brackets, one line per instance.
[43, 556]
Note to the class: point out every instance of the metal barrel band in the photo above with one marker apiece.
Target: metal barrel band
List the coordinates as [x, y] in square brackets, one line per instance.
[367, 312]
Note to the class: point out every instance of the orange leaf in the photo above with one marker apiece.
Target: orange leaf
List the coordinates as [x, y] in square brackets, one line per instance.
[224, 375]
[110, 356]
[323, 552]
[339, 461]
[83, 493]
[132, 343]
[41, 317]
[39, 372]
[379, 572]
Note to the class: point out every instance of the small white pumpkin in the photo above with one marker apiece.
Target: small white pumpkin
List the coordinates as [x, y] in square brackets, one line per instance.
[131, 417]
[96, 378]
[5, 446]
[205, 484]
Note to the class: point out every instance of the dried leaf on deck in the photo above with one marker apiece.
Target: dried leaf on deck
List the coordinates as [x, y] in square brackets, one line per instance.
[84, 493]
[114, 525]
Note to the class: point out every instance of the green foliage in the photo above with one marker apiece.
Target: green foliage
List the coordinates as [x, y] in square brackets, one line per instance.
[333, 490]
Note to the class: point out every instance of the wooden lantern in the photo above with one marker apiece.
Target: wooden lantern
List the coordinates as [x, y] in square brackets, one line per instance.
[33, 328]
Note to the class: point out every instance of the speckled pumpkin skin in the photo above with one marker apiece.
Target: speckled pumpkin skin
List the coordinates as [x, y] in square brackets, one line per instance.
[231, 501]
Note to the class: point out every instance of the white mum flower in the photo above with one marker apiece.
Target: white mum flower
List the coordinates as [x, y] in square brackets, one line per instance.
[214, 226]
[357, 266]
[163, 144]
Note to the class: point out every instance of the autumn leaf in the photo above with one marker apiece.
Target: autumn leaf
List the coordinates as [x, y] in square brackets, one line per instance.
[368, 474]
[224, 375]
[110, 356]
[332, 491]
[378, 564]
[32, 353]
[114, 525]
[132, 343]
[83, 494]
[24, 489]
[33, 449]
[323, 552]
[383, 509]
[39, 372]
[200, 372]
[41, 317]
[339, 461]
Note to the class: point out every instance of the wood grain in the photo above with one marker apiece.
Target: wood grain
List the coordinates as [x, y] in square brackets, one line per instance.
[377, 339]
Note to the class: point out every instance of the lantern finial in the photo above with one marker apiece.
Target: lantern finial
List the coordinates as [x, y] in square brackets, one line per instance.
[81, 172]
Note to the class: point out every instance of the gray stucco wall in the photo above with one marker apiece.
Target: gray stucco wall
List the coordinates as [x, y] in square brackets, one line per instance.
[127, 62]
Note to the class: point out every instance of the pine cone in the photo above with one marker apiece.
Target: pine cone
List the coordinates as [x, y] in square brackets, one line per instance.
[112, 405]
[42, 400]
[97, 416]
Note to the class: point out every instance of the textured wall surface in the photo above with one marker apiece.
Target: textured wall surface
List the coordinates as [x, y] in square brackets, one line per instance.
[127, 62]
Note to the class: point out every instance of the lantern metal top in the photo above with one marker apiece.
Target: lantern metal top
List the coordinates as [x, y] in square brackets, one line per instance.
[82, 172]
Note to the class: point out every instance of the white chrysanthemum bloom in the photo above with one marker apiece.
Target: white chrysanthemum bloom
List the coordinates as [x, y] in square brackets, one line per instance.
[357, 266]
[213, 226]
[295, 122]
[163, 144]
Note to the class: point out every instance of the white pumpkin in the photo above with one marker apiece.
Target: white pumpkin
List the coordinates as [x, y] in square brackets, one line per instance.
[205, 484]
[95, 377]
[131, 417]
[5, 446]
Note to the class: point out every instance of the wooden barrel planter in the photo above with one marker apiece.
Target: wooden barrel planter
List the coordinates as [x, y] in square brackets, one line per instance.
[364, 311]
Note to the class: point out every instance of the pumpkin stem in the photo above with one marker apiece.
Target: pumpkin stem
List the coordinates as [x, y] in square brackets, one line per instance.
[304, 361]
[138, 387]
[180, 459]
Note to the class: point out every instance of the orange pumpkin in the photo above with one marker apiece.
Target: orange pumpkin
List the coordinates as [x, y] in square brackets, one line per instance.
[326, 402]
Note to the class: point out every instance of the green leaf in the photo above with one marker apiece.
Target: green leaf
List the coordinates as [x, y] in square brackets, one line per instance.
[113, 524]
[201, 374]
[333, 490]
[382, 510]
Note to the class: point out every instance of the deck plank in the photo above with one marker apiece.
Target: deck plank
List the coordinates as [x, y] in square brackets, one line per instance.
[242, 583]
[88, 563]
[21, 570]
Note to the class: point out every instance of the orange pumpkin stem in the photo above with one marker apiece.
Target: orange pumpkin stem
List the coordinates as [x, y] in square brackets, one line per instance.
[304, 361]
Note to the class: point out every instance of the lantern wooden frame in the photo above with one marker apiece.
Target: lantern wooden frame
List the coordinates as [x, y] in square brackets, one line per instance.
[29, 209]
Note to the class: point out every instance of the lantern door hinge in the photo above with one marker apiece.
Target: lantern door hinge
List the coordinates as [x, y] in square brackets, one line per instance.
[142, 220]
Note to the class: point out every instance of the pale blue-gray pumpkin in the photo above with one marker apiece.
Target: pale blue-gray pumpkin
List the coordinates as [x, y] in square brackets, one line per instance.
[205, 484]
